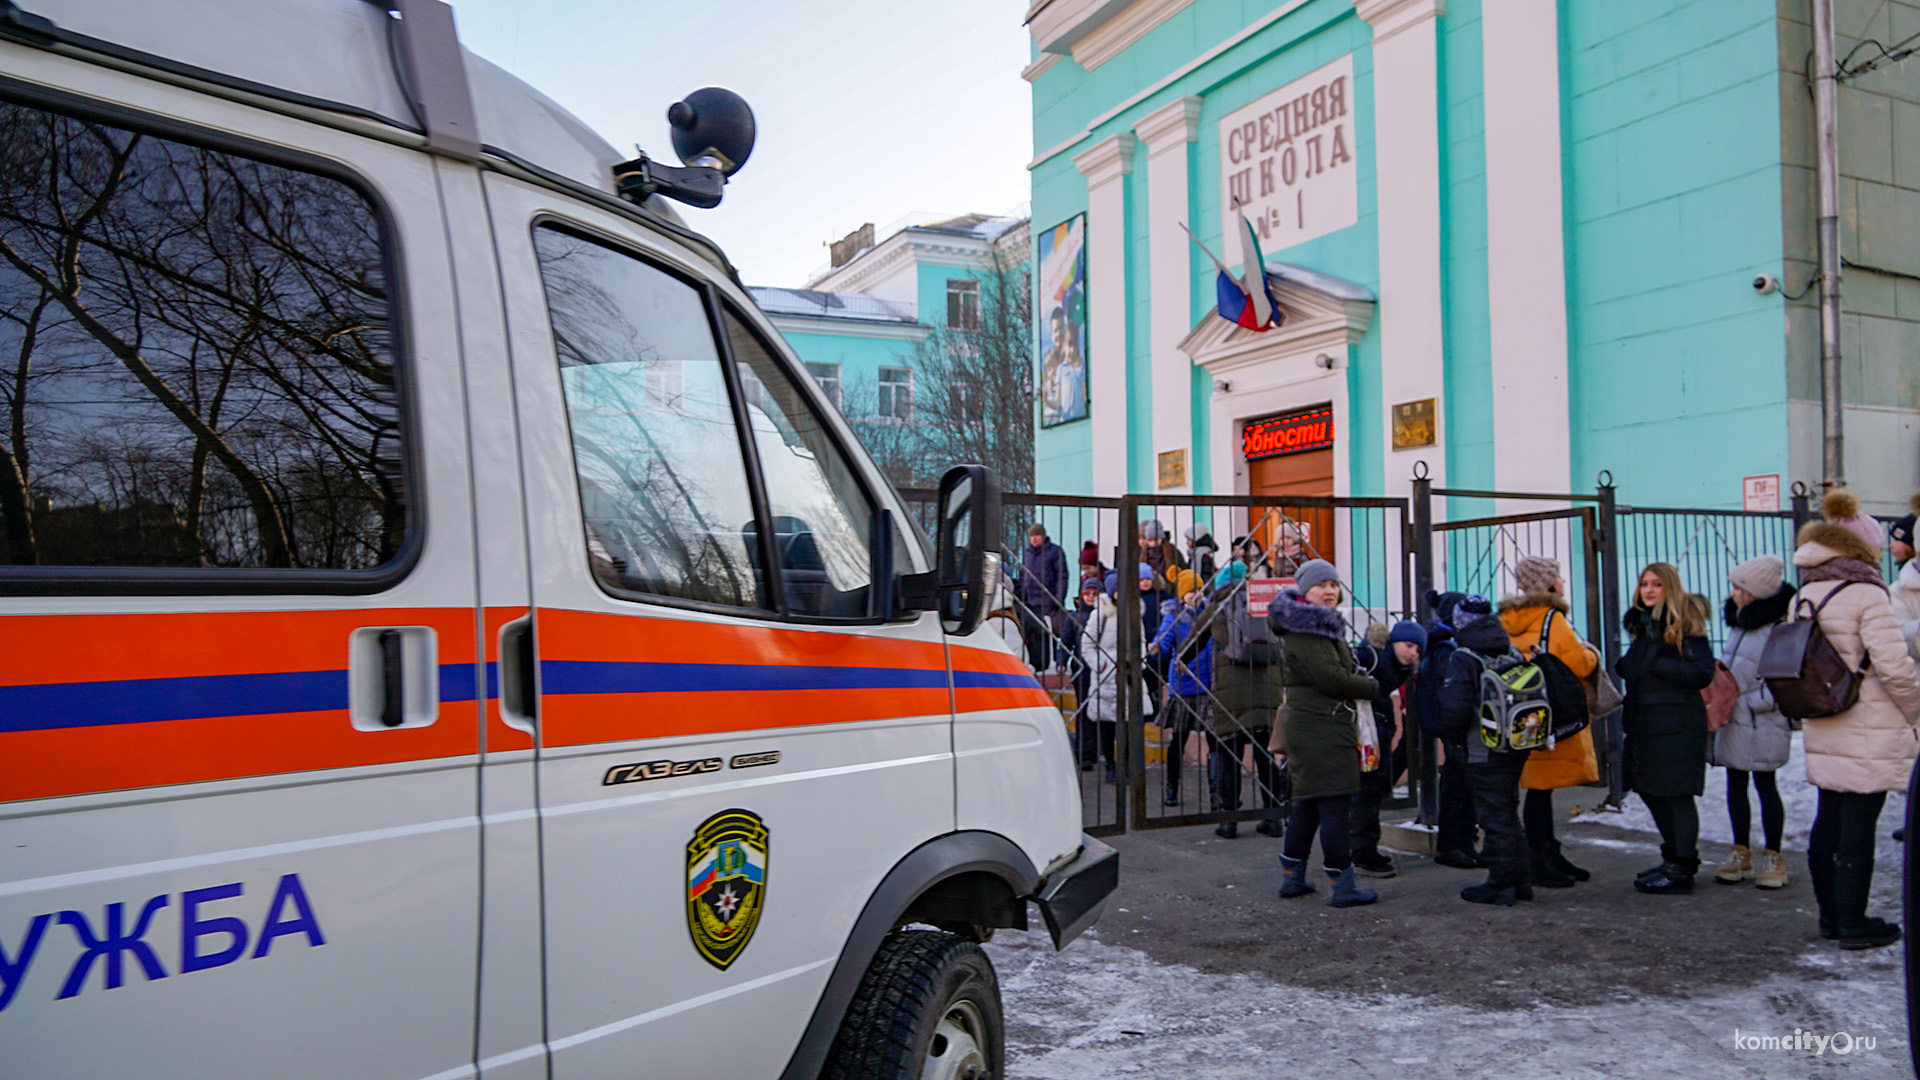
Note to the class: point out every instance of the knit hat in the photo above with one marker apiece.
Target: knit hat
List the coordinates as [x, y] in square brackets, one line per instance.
[1185, 582]
[1473, 606]
[1196, 530]
[1536, 574]
[1843, 509]
[1230, 573]
[1408, 630]
[1151, 529]
[1902, 530]
[1443, 604]
[1145, 572]
[1760, 576]
[1036, 529]
[1313, 572]
[1089, 554]
[1092, 581]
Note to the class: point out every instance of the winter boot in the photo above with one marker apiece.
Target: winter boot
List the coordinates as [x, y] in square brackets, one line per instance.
[1345, 892]
[1491, 891]
[1460, 860]
[1542, 871]
[1820, 872]
[1562, 864]
[1771, 873]
[1227, 830]
[1296, 883]
[1269, 827]
[1673, 879]
[1737, 868]
[1852, 881]
[1373, 864]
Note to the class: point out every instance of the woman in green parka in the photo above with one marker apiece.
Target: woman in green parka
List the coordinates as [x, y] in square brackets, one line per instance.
[1321, 684]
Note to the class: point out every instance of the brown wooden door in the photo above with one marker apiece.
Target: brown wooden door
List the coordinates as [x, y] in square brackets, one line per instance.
[1309, 473]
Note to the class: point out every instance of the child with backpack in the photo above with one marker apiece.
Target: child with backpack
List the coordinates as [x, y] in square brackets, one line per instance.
[1862, 750]
[1190, 674]
[1246, 694]
[1323, 745]
[1538, 619]
[1390, 656]
[1496, 720]
[1667, 664]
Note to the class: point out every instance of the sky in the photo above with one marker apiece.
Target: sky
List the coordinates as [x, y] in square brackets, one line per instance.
[887, 111]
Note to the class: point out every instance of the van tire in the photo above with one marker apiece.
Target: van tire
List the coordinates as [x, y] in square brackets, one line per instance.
[929, 1005]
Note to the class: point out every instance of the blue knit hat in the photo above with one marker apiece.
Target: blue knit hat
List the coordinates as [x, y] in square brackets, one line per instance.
[1229, 574]
[1473, 606]
[1408, 630]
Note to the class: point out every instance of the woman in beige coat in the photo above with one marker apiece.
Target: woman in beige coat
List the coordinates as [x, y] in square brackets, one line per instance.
[1857, 756]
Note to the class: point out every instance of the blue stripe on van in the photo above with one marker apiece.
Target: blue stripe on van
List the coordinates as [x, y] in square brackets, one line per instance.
[47, 706]
[612, 677]
[975, 679]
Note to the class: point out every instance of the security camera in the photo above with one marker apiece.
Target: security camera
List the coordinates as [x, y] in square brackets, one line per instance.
[1765, 284]
[1222, 386]
[1323, 360]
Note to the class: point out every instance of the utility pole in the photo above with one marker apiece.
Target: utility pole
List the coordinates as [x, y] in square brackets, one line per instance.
[1826, 88]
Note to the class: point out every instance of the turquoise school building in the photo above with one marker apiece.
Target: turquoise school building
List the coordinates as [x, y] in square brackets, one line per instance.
[1517, 240]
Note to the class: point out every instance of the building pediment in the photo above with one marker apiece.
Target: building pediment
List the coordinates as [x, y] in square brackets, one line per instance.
[1322, 311]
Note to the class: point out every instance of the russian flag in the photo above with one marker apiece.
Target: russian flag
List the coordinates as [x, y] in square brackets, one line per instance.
[1253, 309]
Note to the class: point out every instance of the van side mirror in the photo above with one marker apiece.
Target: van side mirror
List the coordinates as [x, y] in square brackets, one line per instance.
[969, 523]
[958, 586]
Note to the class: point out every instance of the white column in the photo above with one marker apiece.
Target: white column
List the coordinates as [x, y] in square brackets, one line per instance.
[1406, 121]
[1167, 132]
[1526, 258]
[1106, 164]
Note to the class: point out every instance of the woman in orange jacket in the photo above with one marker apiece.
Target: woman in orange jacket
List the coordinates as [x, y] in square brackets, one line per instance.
[1571, 761]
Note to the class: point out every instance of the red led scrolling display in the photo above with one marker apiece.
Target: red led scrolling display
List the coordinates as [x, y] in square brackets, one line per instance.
[1287, 435]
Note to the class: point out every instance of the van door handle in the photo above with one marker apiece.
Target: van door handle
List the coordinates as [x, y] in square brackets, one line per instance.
[519, 685]
[393, 679]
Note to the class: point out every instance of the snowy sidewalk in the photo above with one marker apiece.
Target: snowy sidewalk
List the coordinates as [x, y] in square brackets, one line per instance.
[1199, 970]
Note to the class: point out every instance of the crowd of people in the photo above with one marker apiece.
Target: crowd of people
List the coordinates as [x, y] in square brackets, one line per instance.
[1515, 699]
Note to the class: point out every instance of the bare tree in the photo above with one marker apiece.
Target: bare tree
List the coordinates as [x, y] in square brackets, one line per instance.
[971, 398]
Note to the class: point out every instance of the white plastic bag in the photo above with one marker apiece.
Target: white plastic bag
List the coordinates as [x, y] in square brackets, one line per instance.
[1369, 736]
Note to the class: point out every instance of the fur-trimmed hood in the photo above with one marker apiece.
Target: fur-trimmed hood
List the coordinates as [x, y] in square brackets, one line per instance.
[1764, 611]
[1290, 613]
[1821, 541]
[1534, 599]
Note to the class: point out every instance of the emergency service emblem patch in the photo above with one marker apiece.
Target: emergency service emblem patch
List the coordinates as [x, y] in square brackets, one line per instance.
[726, 884]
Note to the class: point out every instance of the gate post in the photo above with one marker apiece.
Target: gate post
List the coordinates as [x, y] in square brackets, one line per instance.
[1608, 544]
[1802, 509]
[1424, 771]
[1132, 730]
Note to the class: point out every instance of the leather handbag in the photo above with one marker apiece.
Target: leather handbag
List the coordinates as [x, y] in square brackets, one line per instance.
[1603, 695]
[1720, 696]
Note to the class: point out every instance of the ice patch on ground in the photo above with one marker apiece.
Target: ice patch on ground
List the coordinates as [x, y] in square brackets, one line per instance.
[1099, 1010]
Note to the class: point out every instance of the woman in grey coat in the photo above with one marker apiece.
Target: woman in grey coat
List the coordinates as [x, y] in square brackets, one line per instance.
[1758, 737]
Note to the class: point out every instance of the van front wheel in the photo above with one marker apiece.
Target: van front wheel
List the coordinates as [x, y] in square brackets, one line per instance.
[928, 1007]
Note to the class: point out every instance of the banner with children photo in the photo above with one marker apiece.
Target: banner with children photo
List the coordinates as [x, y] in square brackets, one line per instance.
[1062, 289]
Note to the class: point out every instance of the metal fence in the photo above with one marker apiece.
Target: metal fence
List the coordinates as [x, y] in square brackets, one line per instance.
[1166, 759]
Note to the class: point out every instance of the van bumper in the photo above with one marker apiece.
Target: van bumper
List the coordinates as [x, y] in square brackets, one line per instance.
[1075, 895]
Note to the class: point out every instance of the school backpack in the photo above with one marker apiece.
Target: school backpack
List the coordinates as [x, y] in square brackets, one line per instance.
[1516, 712]
[1566, 696]
[1249, 640]
[1807, 675]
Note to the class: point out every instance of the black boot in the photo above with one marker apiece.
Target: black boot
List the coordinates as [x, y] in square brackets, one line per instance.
[1269, 827]
[1674, 879]
[1545, 874]
[1491, 891]
[1561, 864]
[1820, 872]
[1227, 830]
[1460, 860]
[1852, 881]
[1172, 796]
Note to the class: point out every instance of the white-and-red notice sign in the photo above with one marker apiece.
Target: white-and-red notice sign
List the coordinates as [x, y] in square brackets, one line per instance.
[1288, 160]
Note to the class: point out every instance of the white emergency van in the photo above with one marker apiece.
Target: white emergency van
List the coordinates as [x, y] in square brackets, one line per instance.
[445, 631]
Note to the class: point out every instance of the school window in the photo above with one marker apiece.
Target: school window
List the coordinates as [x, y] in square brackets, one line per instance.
[828, 376]
[664, 494]
[201, 359]
[963, 304]
[896, 393]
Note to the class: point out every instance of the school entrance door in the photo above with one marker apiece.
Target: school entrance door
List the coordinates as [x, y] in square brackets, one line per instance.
[1286, 477]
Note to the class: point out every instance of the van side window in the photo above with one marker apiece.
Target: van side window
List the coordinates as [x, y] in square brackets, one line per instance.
[196, 358]
[822, 519]
[663, 479]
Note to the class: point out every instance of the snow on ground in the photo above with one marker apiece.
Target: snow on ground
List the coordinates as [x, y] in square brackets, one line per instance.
[1099, 1010]
[1799, 797]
